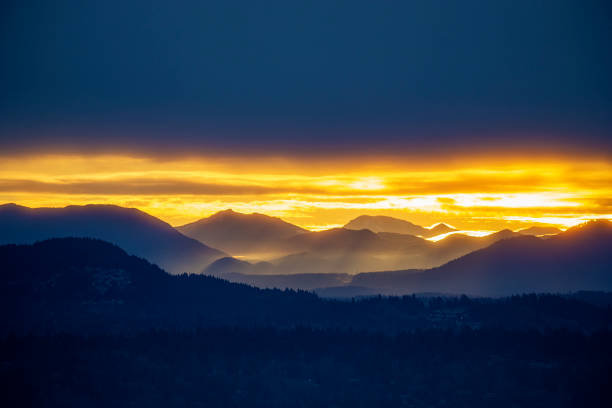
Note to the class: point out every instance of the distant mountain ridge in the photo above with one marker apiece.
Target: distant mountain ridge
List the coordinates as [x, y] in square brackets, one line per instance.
[341, 250]
[137, 232]
[577, 259]
[238, 233]
[363, 245]
[538, 231]
[289, 249]
[381, 223]
[507, 263]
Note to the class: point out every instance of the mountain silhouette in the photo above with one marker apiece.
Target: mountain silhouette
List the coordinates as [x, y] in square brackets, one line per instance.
[334, 251]
[83, 285]
[135, 231]
[336, 239]
[537, 231]
[502, 263]
[381, 223]
[342, 251]
[241, 234]
[440, 228]
[577, 259]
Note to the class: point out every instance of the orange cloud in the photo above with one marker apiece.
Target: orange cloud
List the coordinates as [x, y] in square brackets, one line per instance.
[471, 194]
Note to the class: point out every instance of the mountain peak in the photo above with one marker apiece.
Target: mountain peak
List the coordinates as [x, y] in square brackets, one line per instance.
[224, 213]
[441, 228]
[383, 223]
[238, 233]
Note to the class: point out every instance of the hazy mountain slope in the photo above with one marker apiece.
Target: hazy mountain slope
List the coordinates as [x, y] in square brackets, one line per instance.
[381, 223]
[578, 259]
[221, 267]
[240, 234]
[535, 230]
[457, 245]
[352, 251]
[342, 250]
[336, 239]
[135, 231]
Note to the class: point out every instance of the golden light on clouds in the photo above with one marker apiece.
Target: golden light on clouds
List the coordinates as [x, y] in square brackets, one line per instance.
[474, 195]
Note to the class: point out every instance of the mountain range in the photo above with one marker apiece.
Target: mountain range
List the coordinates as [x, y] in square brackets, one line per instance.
[133, 230]
[510, 263]
[341, 250]
[258, 244]
[367, 243]
[337, 262]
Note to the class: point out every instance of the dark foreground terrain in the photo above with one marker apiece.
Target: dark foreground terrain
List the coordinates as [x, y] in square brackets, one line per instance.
[84, 324]
[308, 368]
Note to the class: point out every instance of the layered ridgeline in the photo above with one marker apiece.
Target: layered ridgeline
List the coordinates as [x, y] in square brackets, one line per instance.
[271, 246]
[577, 259]
[83, 285]
[341, 250]
[241, 234]
[133, 230]
[381, 223]
[88, 285]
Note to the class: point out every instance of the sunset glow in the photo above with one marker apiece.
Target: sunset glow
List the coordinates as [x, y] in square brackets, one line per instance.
[469, 233]
[474, 195]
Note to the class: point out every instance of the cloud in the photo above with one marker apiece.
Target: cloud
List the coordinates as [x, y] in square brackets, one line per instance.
[182, 190]
[142, 186]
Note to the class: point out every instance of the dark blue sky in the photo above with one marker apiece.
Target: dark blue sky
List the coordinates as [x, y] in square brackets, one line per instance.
[316, 75]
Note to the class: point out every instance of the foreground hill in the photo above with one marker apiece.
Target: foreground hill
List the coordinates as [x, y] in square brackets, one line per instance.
[577, 259]
[240, 234]
[381, 223]
[81, 284]
[135, 231]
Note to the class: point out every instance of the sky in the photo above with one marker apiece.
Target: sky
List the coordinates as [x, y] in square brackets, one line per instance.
[481, 114]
